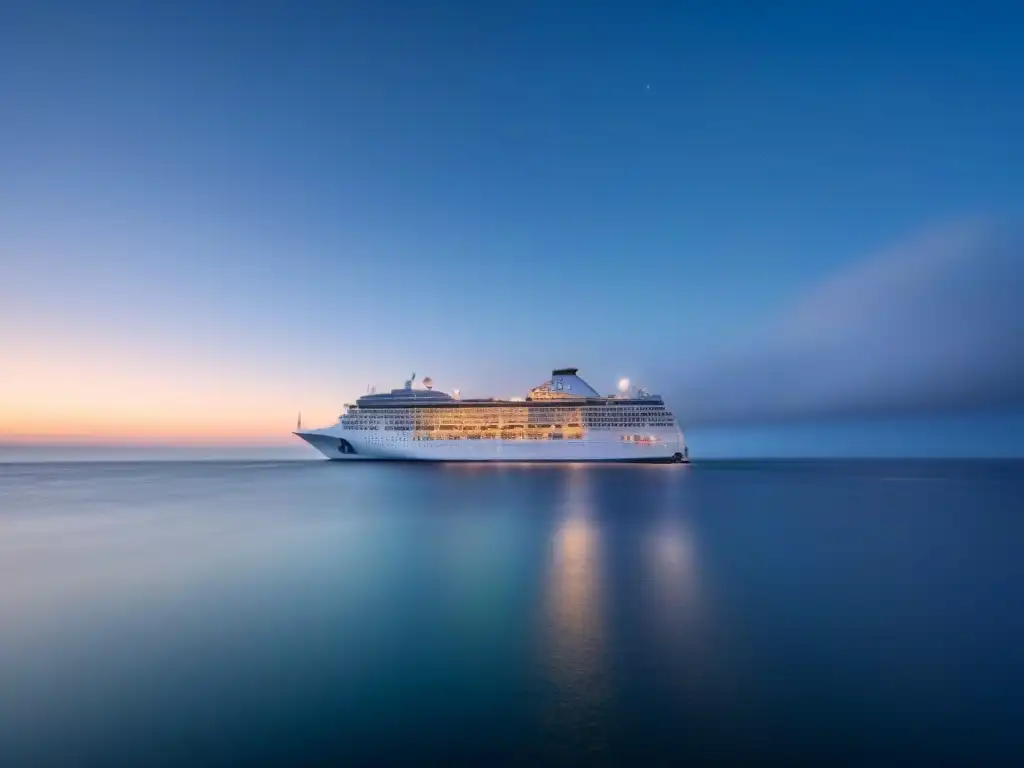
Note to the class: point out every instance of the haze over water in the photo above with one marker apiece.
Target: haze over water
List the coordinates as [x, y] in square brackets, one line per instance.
[309, 612]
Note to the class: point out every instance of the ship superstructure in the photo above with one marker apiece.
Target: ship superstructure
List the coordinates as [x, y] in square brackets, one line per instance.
[563, 419]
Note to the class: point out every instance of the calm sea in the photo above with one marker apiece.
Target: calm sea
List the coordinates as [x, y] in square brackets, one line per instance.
[228, 613]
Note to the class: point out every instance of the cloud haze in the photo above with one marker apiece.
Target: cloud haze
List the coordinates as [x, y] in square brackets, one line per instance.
[935, 324]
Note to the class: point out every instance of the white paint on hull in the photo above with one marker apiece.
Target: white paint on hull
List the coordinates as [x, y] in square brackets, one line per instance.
[603, 445]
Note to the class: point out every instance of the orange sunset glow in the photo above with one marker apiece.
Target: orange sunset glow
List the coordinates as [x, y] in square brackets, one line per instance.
[125, 401]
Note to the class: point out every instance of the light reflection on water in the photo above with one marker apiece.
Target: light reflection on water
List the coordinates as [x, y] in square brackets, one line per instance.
[575, 625]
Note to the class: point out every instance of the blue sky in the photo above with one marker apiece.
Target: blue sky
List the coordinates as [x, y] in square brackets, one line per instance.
[223, 213]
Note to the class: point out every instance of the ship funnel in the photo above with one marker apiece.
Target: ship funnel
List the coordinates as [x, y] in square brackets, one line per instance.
[565, 381]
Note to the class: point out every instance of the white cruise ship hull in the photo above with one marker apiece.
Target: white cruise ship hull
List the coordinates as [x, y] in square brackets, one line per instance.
[351, 445]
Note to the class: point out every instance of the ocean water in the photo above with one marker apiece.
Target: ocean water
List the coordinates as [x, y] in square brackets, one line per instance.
[315, 613]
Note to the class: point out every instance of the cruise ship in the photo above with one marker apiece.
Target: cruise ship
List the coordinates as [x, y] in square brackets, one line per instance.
[563, 419]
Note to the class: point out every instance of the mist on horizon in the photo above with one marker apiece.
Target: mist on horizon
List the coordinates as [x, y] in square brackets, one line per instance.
[932, 326]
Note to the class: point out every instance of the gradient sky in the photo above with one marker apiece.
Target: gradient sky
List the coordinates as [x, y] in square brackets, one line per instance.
[213, 215]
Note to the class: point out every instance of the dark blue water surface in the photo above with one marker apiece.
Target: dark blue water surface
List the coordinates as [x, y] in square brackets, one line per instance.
[318, 613]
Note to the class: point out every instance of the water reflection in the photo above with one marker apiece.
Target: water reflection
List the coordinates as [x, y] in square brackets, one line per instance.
[574, 606]
[679, 604]
[574, 629]
[672, 558]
